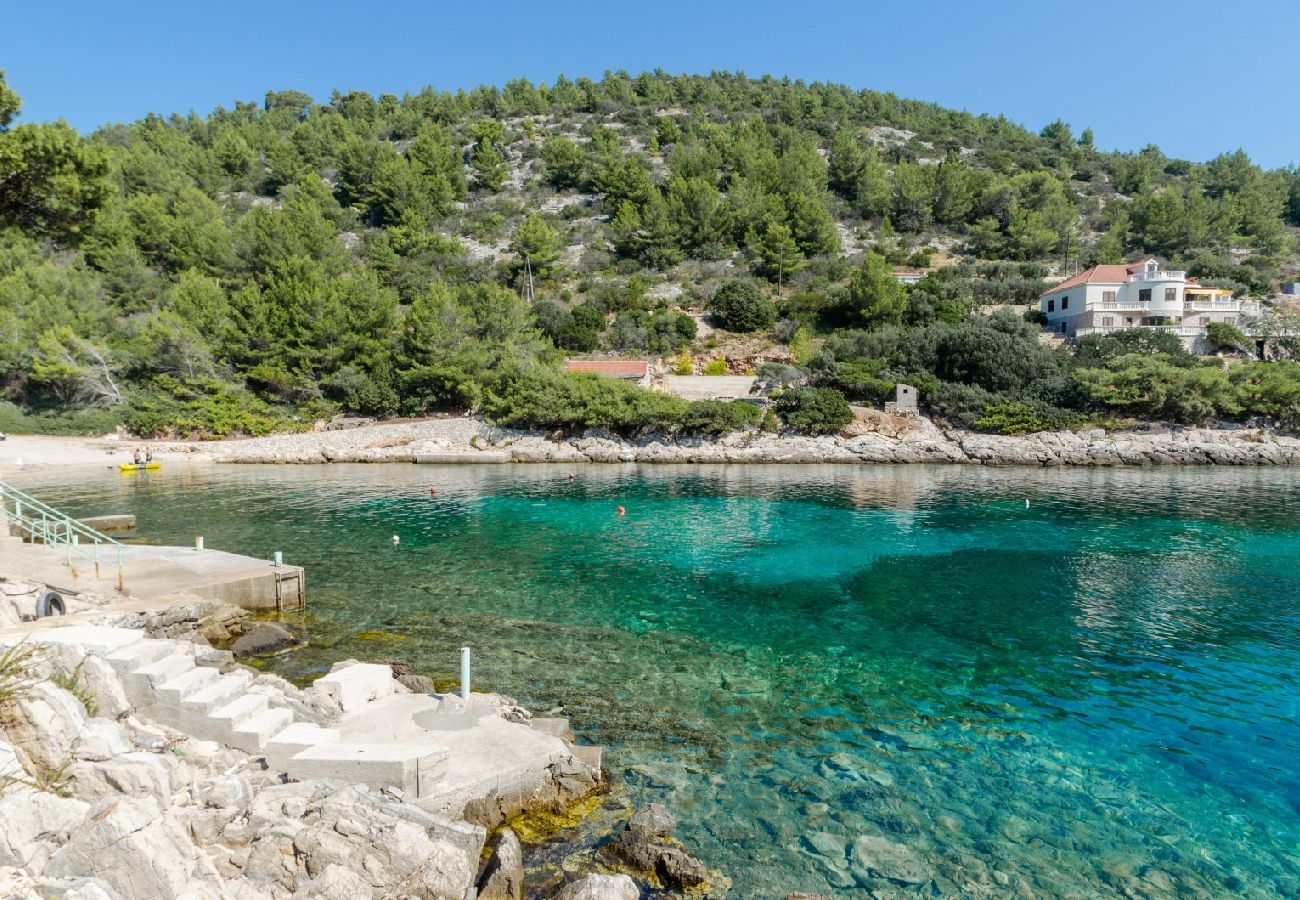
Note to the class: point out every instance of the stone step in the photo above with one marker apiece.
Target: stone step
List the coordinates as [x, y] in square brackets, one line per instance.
[412, 768]
[164, 670]
[138, 655]
[251, 734]
[174, 691]
[217, 694]
[294, 739]
[239, 710]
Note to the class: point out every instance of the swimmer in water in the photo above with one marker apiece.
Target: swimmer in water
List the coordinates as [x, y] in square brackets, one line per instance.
[433, 492]
[622, 511]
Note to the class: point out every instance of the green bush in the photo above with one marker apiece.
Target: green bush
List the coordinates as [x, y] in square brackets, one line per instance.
[716, 417]
[739, 305]
[716, 366]
[817, 410]
[14, 420]
[1018, 417]
[554, 400]
[1225, 334]
[959, 404]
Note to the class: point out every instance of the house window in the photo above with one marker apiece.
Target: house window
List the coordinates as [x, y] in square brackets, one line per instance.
[1144, 295]
[1107, 296]
[1065, 303]
[1051, 306]
[1107, 321]
[1171, 295]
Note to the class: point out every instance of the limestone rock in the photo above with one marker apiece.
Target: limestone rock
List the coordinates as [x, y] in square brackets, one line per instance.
[503, 873]
[136, 850]
[34, 824]
[878, 857]
[334, 883]
[262, 638]
[600, 887]
[645, 843]
[44, 726]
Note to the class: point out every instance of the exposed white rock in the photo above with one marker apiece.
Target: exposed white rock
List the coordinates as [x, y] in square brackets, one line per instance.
[600, 887]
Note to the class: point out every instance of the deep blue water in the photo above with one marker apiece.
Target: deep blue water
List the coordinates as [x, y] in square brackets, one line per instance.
[1094, 695]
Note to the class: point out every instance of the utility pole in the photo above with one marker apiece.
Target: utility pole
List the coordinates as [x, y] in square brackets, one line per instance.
[528, 290]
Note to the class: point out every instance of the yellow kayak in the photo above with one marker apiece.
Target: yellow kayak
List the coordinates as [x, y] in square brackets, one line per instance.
[136, 467]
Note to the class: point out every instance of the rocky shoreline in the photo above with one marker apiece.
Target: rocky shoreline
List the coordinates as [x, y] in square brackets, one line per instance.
[873, 438]
[104, 796]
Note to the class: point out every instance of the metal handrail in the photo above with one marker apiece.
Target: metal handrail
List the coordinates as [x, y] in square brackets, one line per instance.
[56, 529]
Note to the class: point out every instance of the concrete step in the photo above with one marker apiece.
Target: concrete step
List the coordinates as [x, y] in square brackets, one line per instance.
[239, 709]
[138, 655]
[174, 691]
[294, 739]
[165, 669]
[217, 694]
[413, 768]
[251, 734]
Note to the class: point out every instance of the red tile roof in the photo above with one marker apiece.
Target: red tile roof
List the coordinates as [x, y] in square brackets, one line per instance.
[616, 368]
[1100, 275]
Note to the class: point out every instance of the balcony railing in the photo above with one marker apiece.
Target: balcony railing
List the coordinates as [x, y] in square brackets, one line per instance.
[1180, 330]
[1167, 275]
[1229, 304]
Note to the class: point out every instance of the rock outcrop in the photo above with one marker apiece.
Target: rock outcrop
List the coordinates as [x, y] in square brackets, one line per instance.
[98, 801]
[871, 438]
[646, 844]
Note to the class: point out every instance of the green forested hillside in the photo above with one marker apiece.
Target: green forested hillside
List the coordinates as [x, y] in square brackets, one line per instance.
[281, 261]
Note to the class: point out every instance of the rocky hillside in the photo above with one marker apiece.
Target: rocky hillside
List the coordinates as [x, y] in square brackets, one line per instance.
[276, 262]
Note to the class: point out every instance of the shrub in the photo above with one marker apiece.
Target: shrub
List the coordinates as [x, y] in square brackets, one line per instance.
[1099, 349]
[739, 305]
[1018, 417]
[1225, 334]
[716, 366]
[816, 410]
[960, 404]
[682, 364]
[14, 420]
[554, 400]
[721, 417]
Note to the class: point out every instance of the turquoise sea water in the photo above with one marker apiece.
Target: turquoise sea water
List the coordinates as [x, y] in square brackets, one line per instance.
[1094, 695]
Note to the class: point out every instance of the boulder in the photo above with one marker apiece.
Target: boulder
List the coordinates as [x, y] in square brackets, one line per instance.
[502, 877]
[137, 851]
[334, 883]
[44, 725]
[646, 844]
[600, 887]
[299, 831]
[263, 638]
[35, 823]
[416, 684]
[874, 857]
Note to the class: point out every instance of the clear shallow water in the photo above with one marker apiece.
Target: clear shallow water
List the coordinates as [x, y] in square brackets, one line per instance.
[1094, 695]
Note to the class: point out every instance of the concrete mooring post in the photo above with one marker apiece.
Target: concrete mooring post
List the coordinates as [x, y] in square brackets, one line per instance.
[464, 673]
[198, 543]
[278, 559]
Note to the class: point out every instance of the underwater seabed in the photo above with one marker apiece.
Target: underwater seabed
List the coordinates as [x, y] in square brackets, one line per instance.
[898, 679]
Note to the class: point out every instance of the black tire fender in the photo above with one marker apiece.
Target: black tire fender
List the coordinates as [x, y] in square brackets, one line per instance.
[50, 604]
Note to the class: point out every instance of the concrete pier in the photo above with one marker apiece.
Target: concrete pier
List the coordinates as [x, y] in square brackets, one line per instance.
[151, 572]
[123, 522]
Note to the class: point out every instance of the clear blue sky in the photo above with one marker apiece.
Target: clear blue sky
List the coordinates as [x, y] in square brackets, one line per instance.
[1196, 77]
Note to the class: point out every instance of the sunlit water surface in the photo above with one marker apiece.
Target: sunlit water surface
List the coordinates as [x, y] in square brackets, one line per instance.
[1094, 694]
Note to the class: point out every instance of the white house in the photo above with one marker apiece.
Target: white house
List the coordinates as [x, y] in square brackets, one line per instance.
[909, 276]
[1139, 295]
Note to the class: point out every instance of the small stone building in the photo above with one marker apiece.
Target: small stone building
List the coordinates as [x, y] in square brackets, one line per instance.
[905, 400]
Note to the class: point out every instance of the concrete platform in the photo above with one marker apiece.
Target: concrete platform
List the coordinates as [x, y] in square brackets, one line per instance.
[150, 572]
[438, 751]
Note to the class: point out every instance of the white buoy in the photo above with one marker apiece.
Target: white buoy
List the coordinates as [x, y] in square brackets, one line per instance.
[1026, 503]
[396, 540]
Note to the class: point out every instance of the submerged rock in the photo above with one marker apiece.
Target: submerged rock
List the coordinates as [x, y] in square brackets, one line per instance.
[875, 857]
[264, 637]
